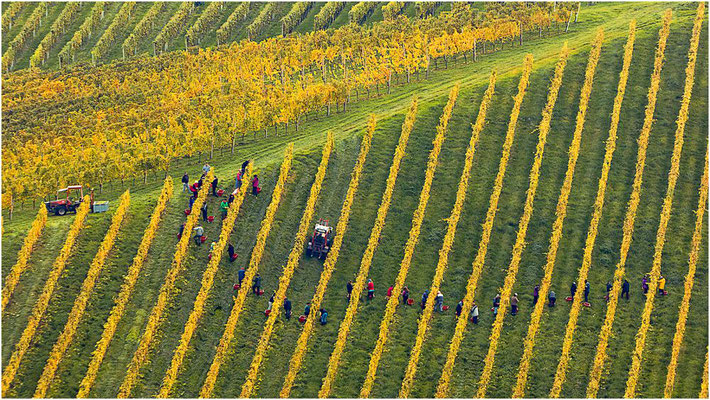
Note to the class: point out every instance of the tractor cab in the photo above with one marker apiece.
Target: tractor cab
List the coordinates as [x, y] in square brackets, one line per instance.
[321, 240]
[67, 199]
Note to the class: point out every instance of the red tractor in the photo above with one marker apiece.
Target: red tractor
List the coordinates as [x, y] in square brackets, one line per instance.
[64, 202]
[320, 242]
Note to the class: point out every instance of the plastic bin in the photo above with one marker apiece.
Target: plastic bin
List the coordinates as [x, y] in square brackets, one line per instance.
[100, 206]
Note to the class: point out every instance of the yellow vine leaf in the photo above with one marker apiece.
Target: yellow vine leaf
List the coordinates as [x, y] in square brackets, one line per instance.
[140, 357]
[293, 259]
[330, 261]
[366, 261]
[689, 280]
[417, 221]
[40, 307]
[453, 220]
[198, 307]
[629, 219]
[442, 389]
[257, 253]
[82, 300]
[637, 356]
[126, 290]
[23, 256]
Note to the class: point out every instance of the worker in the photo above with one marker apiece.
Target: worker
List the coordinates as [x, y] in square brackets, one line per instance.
[625, 288]
[662, 286]
[608, 290]
[405, 295]
[644, 284]
[244, 167]
[459, 308]
[349, 288]
[425, 296]
[255, 185]
[496, 303]
[204, 211]
[287, 308]
[238, 180]
[536, 294]
[206, 169]
[240, 274]
[389, 291]
[514, 304]
[323, 316]
[224, 206]
[181, 230]
[199, 232]
[552, 297]
[307, 310]
[586, 291]
[192, 201]
[256, 287]
[370, 289]
[573, 289]
[212, 246]
[215, 182]
[194, 189]
[185, 183]
[474, 313]
[439, 302]
[230, 251]
[230, 199]
[271, 300]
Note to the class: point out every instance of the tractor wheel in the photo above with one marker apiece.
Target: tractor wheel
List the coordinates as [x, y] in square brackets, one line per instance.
[60, 211]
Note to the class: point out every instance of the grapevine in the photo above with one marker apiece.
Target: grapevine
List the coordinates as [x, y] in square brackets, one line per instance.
[254, 261]
[140, 357]
[556, 236]
[629, 220]
[417, 221]
[40, 307]
[142, 28]
[327, 14]
[667, 205]
[596, 371]
[207, 281]
[172, 29]
[330, 261]
[453, 220]
[561, 209]
[30, 26]
[119, 22]
[204, 23]
[293, 259]
[392, 9]
[83, 33]
[8, 17]
[366, 262]
[124, 295]
[23, 256]
[55, 31]
[689, 278]
[82, 300]
[295, 16]
[360, 11]
[443, 385]
[261, 21]
[239, 14]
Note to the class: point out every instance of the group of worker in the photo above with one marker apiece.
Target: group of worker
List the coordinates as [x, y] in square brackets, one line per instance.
[224, 204]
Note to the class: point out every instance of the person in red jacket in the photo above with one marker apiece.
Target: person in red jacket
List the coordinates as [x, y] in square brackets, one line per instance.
[255, 185]
[370, 289]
